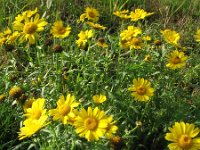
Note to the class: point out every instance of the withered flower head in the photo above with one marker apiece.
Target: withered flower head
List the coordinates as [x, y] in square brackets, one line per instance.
[58, 48]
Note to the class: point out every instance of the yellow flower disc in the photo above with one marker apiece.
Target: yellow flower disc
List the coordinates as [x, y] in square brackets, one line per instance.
[185, 141]
[30, 28]
[91, 123]
[65, 110]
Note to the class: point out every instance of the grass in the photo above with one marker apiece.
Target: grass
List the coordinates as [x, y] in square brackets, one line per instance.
[41, 72]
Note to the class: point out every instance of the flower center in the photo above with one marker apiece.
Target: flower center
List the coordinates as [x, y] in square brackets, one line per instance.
[136, 41]
[37, 115]
[176, 60]
[185, 141]
[30, 28]
[61, 30]
[138, 15]
[101, 40]
[91, 123]
[172, 39]
[65, 110]
[91, 14]
[141, 90]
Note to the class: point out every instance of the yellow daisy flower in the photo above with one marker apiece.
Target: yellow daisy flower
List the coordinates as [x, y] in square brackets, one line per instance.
[2, 40]
[135, 43]
[111, 128]
[122, 14]
[65, 109]
[99, 98]
[92, 14]
[59, 31]
[37, 109]
[82, 18]
[139, 14]
[96, 25]
[183, 137]
[101, 42]
[170, 36]
[29, 28]
[197, 36]
[146, 38]
[91, 124]
[124, 44]
[141, 89]
[176, 60]
[83, 37]
[21, 17]
[130, 33]
[31, 126]
[12, 38]
[7, 32]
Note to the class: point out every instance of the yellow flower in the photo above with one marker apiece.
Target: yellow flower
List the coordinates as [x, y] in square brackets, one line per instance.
[91, 124]
[2, 40]
[183, 137]
[99, 98]
[12, 38]
[130, 33]
[147, 58]
[170, 36]
[2, 97]
[7, 32]
[65, 109]
[141, 89]
[92, 14]
[28, 104]
[101, 42]
[139, 14]
[31, 126]
[29, 28]
[197, 36]
[146, 38]
[83, 38]
[4, 36]
[37, 109]
[176, 60]
[124, 44]
[82, 17]
[21, 17]
[96, 25]
[15, 92]
[135, 43]
[111, 128]
[59, 31]
[122, 14]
